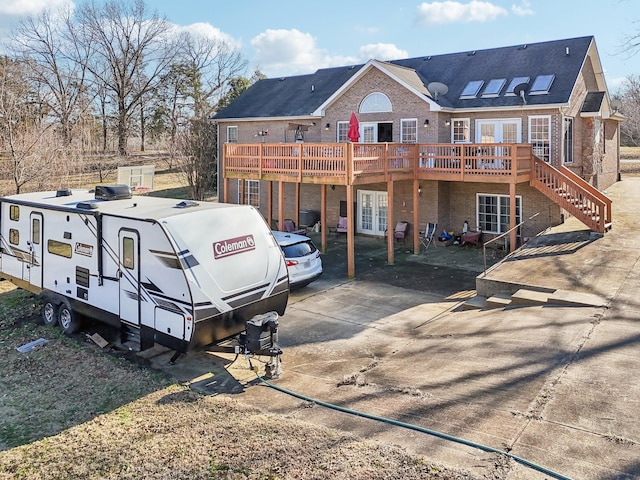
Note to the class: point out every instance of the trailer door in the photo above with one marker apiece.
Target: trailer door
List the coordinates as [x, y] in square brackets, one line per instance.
[34, 265]
[129, 276]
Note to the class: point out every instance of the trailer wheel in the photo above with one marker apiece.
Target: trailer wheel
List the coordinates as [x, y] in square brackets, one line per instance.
[50, 313]
[68, 321]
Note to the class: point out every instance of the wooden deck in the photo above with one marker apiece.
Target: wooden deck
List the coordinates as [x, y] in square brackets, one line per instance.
[363, 163]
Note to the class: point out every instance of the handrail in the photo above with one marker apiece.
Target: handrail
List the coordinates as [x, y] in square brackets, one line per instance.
[593, 190]
[484, 245]
[589, 208]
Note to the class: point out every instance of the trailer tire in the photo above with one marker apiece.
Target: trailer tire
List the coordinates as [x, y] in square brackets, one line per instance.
[49, 313]
[67, 319]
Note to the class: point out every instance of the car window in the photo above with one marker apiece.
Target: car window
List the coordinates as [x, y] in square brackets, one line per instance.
[299, 249]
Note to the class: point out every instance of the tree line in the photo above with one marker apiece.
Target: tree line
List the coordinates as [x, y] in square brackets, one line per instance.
[82, 84]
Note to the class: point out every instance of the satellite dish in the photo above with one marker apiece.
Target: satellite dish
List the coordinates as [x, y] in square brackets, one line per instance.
[520, 90]
[616, 104]
[437, 88]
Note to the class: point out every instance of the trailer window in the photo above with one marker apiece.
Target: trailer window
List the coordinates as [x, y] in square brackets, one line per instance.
[14, 236]
[14, 212]
[127, 250]
[59, 248]
[35, 231]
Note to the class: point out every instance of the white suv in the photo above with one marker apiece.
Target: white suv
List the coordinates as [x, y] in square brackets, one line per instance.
[302, 257]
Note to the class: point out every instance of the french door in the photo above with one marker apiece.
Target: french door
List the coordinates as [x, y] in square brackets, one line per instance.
[372, 212]
[499, 131]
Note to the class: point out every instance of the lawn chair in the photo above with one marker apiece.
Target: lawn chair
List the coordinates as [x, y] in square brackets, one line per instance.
[342, 225]
[401, 231]
[429, 232]
[290, 227]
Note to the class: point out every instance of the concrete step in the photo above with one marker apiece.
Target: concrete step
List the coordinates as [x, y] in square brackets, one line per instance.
[525, 297]
[475, 303]
[499, 300]
[576, 299]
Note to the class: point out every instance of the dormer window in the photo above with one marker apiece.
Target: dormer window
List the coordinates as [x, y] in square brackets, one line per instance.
[541, 84]
[493, 87]
[472, 89]
[514, 83]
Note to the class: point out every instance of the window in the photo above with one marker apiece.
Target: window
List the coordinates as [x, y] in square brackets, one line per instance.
[514, 83]
[541, 84]
[409, 130]
[59, 248]
[493, 87]
[494, 212]
[35, 231]
[14, 236]
[342, 130]
[14, 212]
[567, 140]
[251, 192]
[232, 134]
[460, 130]
[375, 102]
[128, 253]
[472, 89]
[540, 136]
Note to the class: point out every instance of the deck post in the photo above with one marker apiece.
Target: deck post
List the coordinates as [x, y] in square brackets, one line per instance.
[281, 205]
[270, 203]
[323, 217]
[351, 257]
[416, 217]
[512, 216]
[390, 223]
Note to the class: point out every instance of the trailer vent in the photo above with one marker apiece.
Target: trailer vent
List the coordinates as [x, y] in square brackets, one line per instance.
[112, 192]
[187, 204]
[66, 192]
[87, 205]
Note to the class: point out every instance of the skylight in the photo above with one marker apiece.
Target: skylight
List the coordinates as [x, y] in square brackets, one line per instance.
[541, 84]
[472, 89]
[493, 87]
[515, 82]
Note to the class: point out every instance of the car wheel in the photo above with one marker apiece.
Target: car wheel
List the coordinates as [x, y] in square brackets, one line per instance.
[50, 313]
[68, 321]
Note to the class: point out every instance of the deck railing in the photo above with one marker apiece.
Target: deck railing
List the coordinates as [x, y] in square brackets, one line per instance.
[348, 163]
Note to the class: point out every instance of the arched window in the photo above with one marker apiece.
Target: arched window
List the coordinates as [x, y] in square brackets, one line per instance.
[375, 102]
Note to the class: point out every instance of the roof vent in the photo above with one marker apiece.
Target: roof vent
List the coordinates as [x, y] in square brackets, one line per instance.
[65, 192]
[523, 47]
[187, 204]
[112, 192]
[87, 205]
[313, 87]
[566, 51]
[471, 54]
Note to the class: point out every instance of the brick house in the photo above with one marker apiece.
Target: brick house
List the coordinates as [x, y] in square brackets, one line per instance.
[508, 139]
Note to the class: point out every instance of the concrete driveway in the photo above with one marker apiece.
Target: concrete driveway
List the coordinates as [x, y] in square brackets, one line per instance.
[557, 386]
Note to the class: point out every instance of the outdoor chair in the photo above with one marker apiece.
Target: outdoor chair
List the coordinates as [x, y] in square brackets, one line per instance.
[290, 227]
[429, 232]
[342, 225]
[401, 231]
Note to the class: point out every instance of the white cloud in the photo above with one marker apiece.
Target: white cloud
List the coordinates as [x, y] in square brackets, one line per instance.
[523, 9]
[381, 51]
[453, 12]
[207, 30]
[24, 7]
[290, 52]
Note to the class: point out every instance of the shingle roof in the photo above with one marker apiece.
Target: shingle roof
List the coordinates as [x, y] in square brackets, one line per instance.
[301, 95]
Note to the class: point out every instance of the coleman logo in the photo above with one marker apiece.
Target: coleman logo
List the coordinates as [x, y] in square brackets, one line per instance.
[232, 246]
[84, 249]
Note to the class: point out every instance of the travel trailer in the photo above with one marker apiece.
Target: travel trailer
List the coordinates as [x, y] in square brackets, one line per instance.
[182, 274]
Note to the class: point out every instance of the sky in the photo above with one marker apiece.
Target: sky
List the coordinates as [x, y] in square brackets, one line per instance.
[285, 37]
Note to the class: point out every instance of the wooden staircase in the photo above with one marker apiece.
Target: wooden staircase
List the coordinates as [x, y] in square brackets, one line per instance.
[575, 195]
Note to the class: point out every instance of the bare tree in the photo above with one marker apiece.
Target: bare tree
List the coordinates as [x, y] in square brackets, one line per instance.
[205, 68]
[629, 96]
[24, 130]
[125, 41]
[55, 61]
